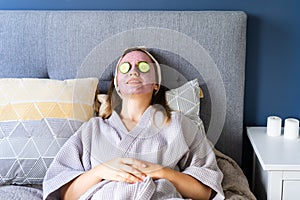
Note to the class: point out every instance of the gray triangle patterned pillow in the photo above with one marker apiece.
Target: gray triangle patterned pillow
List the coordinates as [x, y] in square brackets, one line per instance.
[186, 99]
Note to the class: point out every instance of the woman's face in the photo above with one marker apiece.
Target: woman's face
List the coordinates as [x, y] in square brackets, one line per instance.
[137, 75]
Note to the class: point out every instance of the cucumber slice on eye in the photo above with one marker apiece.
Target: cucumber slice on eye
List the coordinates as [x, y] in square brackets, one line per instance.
[124, 67]
[144, 67]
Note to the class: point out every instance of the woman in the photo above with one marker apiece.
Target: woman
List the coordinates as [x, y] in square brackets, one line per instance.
[142, 152]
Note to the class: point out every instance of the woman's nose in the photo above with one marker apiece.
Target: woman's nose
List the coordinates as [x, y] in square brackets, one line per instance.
[134, 71]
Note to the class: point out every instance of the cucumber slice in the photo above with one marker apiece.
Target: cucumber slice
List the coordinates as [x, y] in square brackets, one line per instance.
[144, 67]
[124, 67]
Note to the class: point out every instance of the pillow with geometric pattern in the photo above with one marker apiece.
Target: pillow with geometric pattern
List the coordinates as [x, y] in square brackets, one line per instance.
[186, 99]
[37, 116]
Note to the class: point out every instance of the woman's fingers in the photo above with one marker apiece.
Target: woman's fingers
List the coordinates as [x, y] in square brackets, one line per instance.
[123, 169]
[130, 170]
[134, 162]
[133, 171]
[133, 167]
[127, 177]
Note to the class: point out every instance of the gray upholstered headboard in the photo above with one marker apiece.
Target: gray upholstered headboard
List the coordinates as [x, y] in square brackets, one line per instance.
[208, 45]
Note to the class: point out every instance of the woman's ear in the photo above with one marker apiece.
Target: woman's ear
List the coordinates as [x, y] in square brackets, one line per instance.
[155, 87]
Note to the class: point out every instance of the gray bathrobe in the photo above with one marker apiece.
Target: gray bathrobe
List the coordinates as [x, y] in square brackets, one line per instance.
[179, 145]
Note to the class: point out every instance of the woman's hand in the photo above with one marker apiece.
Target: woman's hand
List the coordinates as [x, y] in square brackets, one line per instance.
[155, 171]
[185, 184]
[121, 169]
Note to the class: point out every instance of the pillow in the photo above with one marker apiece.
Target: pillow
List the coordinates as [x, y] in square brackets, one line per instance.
[37, 116]
[186, 99]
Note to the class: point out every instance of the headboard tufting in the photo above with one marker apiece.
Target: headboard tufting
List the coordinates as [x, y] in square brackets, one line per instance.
[208, 45]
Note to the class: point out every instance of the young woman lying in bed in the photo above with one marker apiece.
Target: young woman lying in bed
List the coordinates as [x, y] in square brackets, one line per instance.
[145, 151]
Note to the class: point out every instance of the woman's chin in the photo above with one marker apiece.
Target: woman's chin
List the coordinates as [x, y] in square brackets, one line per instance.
[137, 93]
[137, 90]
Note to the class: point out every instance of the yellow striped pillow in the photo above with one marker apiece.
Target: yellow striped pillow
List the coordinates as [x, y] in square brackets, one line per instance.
[34, 99]
[37, 116]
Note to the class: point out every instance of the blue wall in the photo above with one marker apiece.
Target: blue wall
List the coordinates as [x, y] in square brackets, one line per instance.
[273, 48]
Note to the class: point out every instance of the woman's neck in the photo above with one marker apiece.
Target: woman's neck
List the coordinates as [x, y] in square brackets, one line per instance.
[133, 106]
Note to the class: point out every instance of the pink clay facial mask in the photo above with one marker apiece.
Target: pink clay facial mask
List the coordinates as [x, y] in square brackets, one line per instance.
[135, 81]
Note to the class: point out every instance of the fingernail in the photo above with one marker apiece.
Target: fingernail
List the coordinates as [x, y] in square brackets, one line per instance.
[144, 165]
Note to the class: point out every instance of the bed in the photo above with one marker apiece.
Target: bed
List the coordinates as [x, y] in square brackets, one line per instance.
[58, 46]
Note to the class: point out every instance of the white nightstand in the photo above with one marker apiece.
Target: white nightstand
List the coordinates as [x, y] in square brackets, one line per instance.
[277, 174]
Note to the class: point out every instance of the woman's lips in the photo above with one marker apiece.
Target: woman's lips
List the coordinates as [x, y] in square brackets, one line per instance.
[133, 82]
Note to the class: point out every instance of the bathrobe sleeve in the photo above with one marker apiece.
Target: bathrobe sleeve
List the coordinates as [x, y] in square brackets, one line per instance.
[200, 161]
[72, 160]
